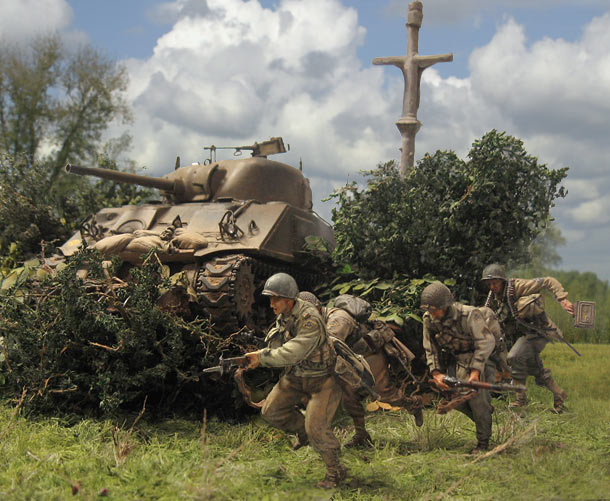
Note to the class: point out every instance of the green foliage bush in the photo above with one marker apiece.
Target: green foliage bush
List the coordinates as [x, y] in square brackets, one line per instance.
[79, 345]
[448, 218]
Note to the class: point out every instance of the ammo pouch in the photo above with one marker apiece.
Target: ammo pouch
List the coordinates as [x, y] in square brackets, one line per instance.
[352, 370]
[529, 307]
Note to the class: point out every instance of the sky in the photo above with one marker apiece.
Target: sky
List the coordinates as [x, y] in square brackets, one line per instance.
[231, 72]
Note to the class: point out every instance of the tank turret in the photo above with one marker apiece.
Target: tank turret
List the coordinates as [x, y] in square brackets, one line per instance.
[226, 224]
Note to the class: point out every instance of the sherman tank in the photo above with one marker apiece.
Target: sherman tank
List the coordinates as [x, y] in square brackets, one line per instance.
[227, 225]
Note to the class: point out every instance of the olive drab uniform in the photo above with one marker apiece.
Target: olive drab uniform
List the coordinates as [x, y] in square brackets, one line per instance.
[520, 310]
[299, 343]
[371, 344]
[456, 344]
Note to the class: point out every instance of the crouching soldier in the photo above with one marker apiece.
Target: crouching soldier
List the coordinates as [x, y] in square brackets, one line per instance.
[458, 342]
[299, 343]
[373, 342]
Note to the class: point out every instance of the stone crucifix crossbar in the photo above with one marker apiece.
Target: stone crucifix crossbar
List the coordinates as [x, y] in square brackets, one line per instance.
[412, 66]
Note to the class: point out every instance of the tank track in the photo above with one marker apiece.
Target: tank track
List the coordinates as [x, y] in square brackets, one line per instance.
[228, 288]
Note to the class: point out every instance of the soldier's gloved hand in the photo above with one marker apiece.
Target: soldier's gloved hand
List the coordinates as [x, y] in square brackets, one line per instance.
[438, 380]
[567, 305]
[253, 359]
[475, 374]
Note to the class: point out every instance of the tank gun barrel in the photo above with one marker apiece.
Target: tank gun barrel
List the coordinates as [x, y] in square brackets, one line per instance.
[124, 177]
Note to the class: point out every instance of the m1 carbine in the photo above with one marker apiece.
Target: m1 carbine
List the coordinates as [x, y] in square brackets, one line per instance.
[225, 365]
[481, 385]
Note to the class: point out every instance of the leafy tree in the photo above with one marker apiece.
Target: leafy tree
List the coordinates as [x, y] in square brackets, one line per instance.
[543, 249]
[448, 218]
[55, 104]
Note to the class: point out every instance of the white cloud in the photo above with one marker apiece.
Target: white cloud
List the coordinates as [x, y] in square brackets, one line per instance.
[237, 72]
[22, 19]
[584, 189]
[594, 213]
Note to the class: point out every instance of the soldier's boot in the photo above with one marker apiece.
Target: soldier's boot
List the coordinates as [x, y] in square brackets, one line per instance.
[301, 441]
[335, 471]
[482, 446]
[418, 414]
[520, 397]
[559, 395]
[361, 437]
[417, 410]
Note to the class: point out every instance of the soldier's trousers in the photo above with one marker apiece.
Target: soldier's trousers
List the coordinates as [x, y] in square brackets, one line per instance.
[524, 359]
[524, 356]
[478, 408]
[323, 394]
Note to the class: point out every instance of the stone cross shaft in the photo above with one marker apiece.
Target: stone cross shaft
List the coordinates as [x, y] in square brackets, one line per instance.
[412, 66]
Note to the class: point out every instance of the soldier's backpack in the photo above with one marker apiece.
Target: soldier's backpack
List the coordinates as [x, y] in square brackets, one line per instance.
[352, 370]
[355, 306]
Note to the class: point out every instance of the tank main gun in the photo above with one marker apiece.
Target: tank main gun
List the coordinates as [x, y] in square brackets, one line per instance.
[170, 185]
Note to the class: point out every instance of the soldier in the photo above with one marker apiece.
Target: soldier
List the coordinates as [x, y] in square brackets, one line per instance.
[520, 310]
[299, 343]
[370, 344]
[458, 341]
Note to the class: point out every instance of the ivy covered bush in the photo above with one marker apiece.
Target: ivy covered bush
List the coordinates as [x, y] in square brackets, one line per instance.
[448, 218]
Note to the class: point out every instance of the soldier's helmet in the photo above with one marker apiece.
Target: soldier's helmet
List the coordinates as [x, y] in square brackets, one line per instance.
[310, 297]
[493, 271]
[436, 296]
[281, 285]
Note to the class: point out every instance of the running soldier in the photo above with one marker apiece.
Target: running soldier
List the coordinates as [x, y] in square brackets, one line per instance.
[458, 342]
[377, 344]
[520, 310]
[299, 343]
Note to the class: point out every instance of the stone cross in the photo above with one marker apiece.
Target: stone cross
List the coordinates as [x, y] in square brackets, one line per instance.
[412, 66]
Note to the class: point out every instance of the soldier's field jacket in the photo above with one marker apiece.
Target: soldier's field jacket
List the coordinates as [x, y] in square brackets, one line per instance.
[517, 291]
[299, 342]
[463, 333]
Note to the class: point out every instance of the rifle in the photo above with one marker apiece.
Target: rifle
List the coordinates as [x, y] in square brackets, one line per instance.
[481, 385]
[446, 406]
[225, 365]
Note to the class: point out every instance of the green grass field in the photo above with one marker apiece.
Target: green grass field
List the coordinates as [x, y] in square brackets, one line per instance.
[543, 456]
